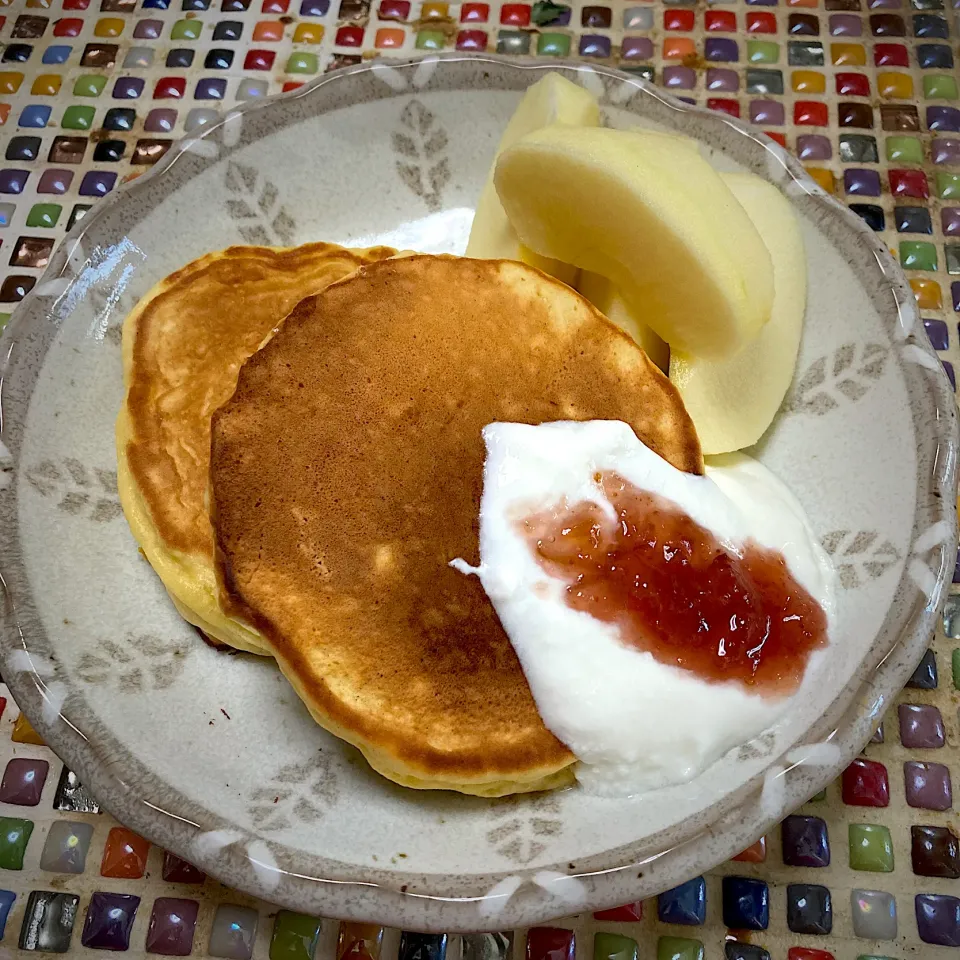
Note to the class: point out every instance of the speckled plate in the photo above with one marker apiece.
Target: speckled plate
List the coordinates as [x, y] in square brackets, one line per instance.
[212, 756]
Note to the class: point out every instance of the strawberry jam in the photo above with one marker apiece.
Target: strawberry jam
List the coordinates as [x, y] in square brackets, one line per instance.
[675, 591]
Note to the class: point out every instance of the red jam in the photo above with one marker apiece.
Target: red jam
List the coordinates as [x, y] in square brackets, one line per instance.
[674, 591]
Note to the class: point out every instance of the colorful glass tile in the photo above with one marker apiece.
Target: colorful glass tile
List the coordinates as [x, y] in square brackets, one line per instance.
[23, 778]
[548, 44]
[746, 903]
[848, 54]
[871, 847]
[945, 150]
[15, 832]
[679, 48]
[685, 904]
[550, 943]
[865, 782]
[32, 252]
[852, 85]
[943, 118]
[614, 946]
[119, 118]
[234, 932]
[724, 21]
[77, 214]
[921, 725]
[313, 33]
[935, 852]
[927, 293]
[363, 941]
[294, 937]
[950, 221]
[109, 921]
[160, 120]
[429, 946]
[858, 148]
[804, 841]
[895, 86]
[934, 56]
[181, 58]
[808, 81]
[908, 183]
[823, 178]
[636, 48]
[809, 909]
[904, 150]
[677, 18]
[40, 215]
[124, 855]
[760, 22]
[938, 919]
[939, 86]
[810, 113]
[97, 183]
[937, 334]
[172, 925]
[679, 948]
[48, 921]
[845, 25]
[762, 51]
[855, 115]
[66, 846]
[513, 42]
[56, 54]
[7, 898]
[927, 785]
[899, 117]
[764, 81]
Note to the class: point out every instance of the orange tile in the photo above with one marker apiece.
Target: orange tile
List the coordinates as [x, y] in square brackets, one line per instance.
[848, 54]
[388, 37]
[895, 86]
[34, 4]
[359, 941]
[46, 85]
[435, 11]
[23, 732]
[4, 113]
[124, 855]
[927, 294]
[10, 82]
[268, 30]
[676, 48]
[308, 33]
[808, 81]
[757, 853]
[108, 27]
[823, 177]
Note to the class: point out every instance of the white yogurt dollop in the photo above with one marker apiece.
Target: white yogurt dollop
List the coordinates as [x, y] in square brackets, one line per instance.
[633, 723]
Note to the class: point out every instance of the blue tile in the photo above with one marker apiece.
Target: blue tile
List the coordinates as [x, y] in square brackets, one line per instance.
[925, 676]
[6, 902]
[686, 904]
[57, 54]
[746, 903]
[156, 4]
[805, 842]
[422, 946]
[913, 220]
[871, 214]
[934, 56]
[17, 53]
[931, 27]
[809, 909]
[128, 88]
[34, 115]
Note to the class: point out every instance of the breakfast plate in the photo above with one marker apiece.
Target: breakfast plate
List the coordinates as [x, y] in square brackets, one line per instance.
[212, 756]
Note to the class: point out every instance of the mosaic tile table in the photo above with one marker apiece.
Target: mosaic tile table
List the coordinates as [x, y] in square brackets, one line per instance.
[865, 91]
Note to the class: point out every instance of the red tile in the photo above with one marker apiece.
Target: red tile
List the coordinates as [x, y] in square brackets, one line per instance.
[720, 21]
[779, 137]
[724, 105]
[909, 183]
[3, 705]
[808, 953]
[761, 23]
[474, 13]
[76, 4]
[69, 27]
[394, 10]
[890, 55]
[291, 85]
[259, 60]
[170, 88]
[515, 14]
[550, 943]
[674, 19]
[349, 37]
[275, 6]
[628, 913]
[471, 40]
[810, 113]
[865, 784]
[853, 85]
[757, 853]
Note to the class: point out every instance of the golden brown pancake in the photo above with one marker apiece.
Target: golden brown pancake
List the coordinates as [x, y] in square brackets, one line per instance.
[182, 348]
[346, 473]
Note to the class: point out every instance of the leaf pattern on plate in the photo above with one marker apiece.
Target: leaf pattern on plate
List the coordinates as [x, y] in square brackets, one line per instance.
[80, 491]
[524, 827]
[138, 663]
[859, 555]
[420, 146]
[297, 793]
[844, 376]
[256, 209]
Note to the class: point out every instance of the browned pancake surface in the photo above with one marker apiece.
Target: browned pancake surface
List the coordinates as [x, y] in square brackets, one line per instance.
[346, 473]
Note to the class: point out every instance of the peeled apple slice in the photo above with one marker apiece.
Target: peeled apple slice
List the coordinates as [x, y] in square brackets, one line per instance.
[553, 99]
[651, 215]
[732, 402]
[608, 300]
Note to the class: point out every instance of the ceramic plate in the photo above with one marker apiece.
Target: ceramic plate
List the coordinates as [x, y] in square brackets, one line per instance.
[213, 756]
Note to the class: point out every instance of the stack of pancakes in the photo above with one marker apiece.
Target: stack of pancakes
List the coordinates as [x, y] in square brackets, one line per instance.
[300, 485]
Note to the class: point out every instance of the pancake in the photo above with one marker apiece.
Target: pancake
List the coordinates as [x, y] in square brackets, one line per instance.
[346, 473]
[182, 348]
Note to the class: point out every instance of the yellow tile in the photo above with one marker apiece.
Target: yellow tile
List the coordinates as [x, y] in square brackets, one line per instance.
[108, 27]
[848, 54]
[895, 86]
[34, 4]
[927, 294]
[435, 11]
[823, 177]
[308, 33]
[46, 85]
[10, 82]
[808, 81]
[23, 732]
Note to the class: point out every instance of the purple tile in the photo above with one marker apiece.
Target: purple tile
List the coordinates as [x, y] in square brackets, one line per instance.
[950, 222]
[955, 296]
[812, 146]
[943, 118]
[176, 870]
[927, 785]
[861, 183]
[594, 45]
[921, 726]
[951, 376]
[769, 112]
[938, 919]
[845, 25]
[938, 334]
[762, 3]
[127, 88]
[210, 88]
[689, 100]
[13, 181]
[679, 78]
[172, 923]
[160, 120]
[636, 48]
[721, 50]
[23, 781]
[97, 183]
[721, 80]
[805, 842]
[109, 920]
[55, 181]
[148, 29]
[945, 150]
[884, 4]
[314, 8]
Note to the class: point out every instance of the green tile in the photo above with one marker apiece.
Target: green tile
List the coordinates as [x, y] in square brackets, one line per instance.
[553, 45]
[762, 51]
[918, 255]
[14, 834]
[513, 41]
[77, 118]
[295, 936]
[904, 149]
[679, 948]
[303, 63]
[939, 86]
[186, 30]
[44, 215]
[429, 40]
[89, 86]
[871, 848]
[817, 797]
[612, 946]
[4, 320]
[955, 662]
[948, 186]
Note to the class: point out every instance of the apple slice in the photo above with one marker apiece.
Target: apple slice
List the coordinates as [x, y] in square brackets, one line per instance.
[654, 217]
[733, 402]
[553, 99]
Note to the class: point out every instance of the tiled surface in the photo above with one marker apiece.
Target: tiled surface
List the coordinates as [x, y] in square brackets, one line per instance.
[865, 91]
